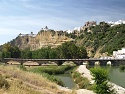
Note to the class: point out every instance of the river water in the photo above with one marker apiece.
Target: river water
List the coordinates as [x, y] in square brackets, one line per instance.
[115, 75]
[67, 80]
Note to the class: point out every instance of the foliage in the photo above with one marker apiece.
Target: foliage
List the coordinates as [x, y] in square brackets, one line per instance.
[10, 51]
[101, 81]
[122, 67]
[26, 53]
[67, 50]
[23, 82]
[82, 82]
[3, 83]
[103, 36]
[52, 69]
[53, 79]
[22, 67]
[0, 56]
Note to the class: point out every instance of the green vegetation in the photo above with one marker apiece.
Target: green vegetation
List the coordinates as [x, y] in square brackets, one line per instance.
[22, 67]
[4, 83]
[10, 51]
[103, 37]
[83, 83]
[66, 50]
[122, 67]
[24, 82]
[101, 85]
[53, 78]
[50, 71]
[0, 56]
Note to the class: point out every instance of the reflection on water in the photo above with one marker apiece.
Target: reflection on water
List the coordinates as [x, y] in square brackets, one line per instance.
[117, 76]
[67, 80]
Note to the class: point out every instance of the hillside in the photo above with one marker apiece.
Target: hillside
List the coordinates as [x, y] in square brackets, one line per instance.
[102, 39]
[16, 83]
[44, 38]
[99, 40]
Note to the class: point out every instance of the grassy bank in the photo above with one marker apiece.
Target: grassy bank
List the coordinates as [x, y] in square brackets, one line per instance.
[23, 82]
[50, 71]
[82, 82]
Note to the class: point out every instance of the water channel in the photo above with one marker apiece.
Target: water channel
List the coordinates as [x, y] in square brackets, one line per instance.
[67, 80]
[115, 75]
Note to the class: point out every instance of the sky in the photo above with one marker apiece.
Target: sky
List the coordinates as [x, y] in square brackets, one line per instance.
[25, 16]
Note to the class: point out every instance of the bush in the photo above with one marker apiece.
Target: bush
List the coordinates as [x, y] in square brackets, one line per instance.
[82, 82]
[4, 83]
[22, 67]
[101, 81]
[122, 67]
[76, 74]
[53, 79]
[52, 69]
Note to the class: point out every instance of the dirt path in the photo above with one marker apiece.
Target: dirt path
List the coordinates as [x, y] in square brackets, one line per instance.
[86, 73]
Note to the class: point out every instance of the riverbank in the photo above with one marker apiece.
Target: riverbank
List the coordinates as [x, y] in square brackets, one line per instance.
[86, 73]
[118, 89]
[23, 82]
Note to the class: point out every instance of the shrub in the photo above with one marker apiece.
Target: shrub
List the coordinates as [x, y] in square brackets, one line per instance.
[76, 74]
[3, 83]
[53, 79]
[52, 69]
[101, 81]
[82, 82]
[122, 67]
[22, 67]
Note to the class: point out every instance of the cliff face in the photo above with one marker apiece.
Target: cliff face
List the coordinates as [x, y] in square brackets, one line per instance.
[44, 38]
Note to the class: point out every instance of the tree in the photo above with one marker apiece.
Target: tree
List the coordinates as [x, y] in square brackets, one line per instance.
[10, 51]
[15, 52]
[53, 54]
[81, 53]
[101, 81]
[26, 54]
[68, 50]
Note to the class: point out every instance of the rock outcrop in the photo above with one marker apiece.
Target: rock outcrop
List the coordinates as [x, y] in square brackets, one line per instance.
[45, 37]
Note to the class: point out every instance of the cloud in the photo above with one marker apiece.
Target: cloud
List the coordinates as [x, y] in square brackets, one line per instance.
[24, 16]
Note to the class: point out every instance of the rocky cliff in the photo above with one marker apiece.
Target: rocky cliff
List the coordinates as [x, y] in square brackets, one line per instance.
[44, 38]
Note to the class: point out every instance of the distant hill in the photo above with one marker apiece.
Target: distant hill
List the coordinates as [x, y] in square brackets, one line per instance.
[102, 39]
[99, 40]
[44, 38]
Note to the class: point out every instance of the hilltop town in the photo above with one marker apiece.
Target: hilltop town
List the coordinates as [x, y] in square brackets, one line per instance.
[45, 37]
[96, 38]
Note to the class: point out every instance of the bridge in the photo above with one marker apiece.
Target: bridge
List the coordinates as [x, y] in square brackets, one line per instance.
[90, 61]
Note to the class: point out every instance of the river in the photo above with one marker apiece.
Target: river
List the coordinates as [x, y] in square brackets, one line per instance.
[115, 75]
[67, 80]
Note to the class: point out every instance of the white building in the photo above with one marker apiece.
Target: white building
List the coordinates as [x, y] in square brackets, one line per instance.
[112, 23]
[120, 54]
